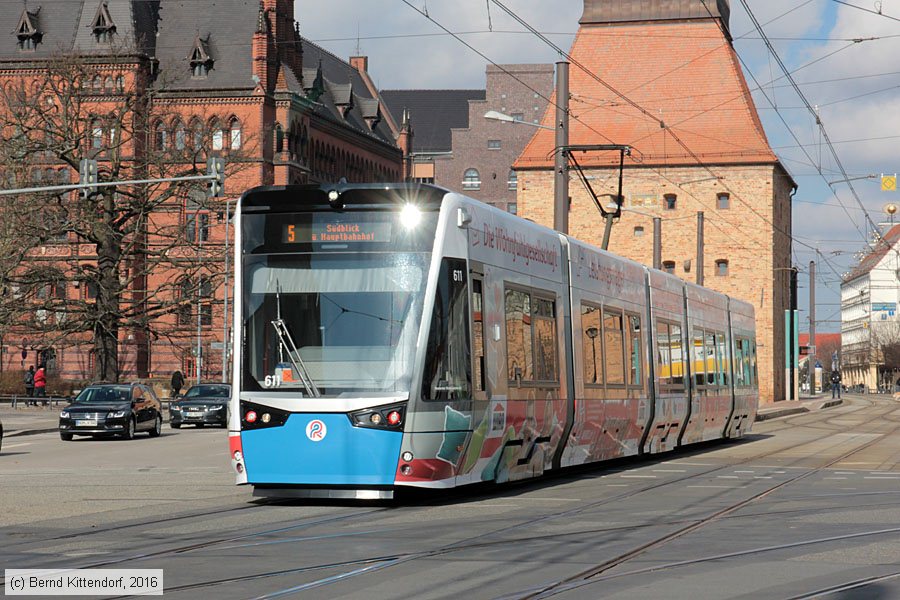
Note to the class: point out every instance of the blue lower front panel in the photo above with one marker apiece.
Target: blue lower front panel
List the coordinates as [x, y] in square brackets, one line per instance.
[344, 455]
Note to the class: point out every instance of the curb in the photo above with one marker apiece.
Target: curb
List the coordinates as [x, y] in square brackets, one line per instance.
[785, 412]
[20, 433]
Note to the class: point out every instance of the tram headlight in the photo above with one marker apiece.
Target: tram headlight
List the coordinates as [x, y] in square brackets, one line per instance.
[410, 216]
[382, 417]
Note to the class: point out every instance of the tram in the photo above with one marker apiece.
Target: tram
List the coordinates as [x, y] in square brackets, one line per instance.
[393, 336]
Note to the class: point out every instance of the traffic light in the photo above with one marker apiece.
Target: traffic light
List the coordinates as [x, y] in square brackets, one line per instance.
[87, 173]
[215, 167]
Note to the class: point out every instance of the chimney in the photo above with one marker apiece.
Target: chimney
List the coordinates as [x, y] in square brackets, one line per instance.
[360, 63]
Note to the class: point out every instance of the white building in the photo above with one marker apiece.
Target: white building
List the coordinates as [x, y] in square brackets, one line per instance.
[869, 319]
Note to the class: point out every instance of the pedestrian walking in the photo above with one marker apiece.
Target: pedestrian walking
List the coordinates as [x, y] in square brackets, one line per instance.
[29, 384]
[40, 385]
[177, 383]
[835, 384]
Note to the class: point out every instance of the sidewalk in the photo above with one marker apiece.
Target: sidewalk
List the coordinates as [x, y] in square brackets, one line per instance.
[794, 407]
[29, 420]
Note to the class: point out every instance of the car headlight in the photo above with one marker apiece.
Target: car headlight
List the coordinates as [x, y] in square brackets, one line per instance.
[64, 414]
[175, 408]
[116, 414]
[217, 408]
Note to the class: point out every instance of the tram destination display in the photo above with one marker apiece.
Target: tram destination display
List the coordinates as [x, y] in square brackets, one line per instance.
[336, 231]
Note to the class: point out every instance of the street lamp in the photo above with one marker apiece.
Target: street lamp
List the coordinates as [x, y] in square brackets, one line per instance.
[493, 115]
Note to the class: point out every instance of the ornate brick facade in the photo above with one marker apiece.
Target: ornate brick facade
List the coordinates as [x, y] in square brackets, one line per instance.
[291, 111]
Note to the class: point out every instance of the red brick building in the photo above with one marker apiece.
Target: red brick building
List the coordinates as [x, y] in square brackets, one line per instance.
[663, 78]
[241, 73]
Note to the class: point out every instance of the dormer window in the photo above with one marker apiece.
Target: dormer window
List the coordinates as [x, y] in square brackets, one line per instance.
[27, 31]
[200, 58]
[102, 25]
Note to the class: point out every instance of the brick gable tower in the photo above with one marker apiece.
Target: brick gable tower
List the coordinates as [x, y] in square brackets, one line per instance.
[664, 78]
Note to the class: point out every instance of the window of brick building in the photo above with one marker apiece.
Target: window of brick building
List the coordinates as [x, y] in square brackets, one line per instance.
[235, 130]
[670, 201]
[180, 136]
[512, 208]
[638, 231]
[723, 201]
[721, 268]
[494, 145]
[472, 180]
[669, 266]
[512, 180]
[518, 116]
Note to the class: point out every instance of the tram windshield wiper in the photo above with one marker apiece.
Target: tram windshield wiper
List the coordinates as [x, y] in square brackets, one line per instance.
[287, 343]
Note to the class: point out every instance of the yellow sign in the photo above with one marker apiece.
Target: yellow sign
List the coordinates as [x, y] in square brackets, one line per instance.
[888, 183]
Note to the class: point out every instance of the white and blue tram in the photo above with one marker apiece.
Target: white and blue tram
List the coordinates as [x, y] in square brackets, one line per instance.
[402, 335]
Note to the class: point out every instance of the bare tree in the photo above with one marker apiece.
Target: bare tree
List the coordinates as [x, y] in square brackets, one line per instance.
[118, 247]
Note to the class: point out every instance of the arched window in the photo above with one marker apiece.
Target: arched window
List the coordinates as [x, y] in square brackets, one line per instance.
[512, 180]
[180, 135]
[120, 84]
[196, 135]
[205, 301]
[108, 85]
[217, 135]
[160, 136]
[97, 83]
[235, 129]
[279, 138]
[722, 268]
[96, 134]
[185, 301]
[471, 180]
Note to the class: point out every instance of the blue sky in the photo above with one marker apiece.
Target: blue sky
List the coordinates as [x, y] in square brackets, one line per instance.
[842, 58]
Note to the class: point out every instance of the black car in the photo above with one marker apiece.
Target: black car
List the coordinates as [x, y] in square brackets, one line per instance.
[106, 409]
[204, 404]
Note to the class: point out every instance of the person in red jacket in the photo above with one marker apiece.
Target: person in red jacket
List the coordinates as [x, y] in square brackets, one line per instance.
[40, 384]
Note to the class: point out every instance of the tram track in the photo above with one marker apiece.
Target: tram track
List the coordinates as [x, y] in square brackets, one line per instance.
[588, 574]
[367, 565]
[471, 543]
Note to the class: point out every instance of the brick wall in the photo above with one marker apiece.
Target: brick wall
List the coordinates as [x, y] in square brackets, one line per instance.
[752, 235]
[470, 146]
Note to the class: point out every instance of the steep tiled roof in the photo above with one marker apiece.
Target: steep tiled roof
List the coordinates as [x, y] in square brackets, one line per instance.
[433, 114]
[871, 260]
[66, 27]
[227, 31]
[684, 73]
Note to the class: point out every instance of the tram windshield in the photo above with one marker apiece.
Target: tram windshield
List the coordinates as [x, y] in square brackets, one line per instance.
[332, 324]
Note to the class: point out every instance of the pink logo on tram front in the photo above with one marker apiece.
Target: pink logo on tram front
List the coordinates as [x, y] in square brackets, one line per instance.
[316, 430]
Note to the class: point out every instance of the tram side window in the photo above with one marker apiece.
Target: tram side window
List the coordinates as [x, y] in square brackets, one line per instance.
[663, 354]
[448, 373]
[753, 372]
[739, 363]
[478, 333]
[721, 361]
[635, 376]
[518, 336]
[545, 341]
[710, 358]
[699, 361]
[678, 355]
[591, 346]
[748, 376]
[614, 348]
